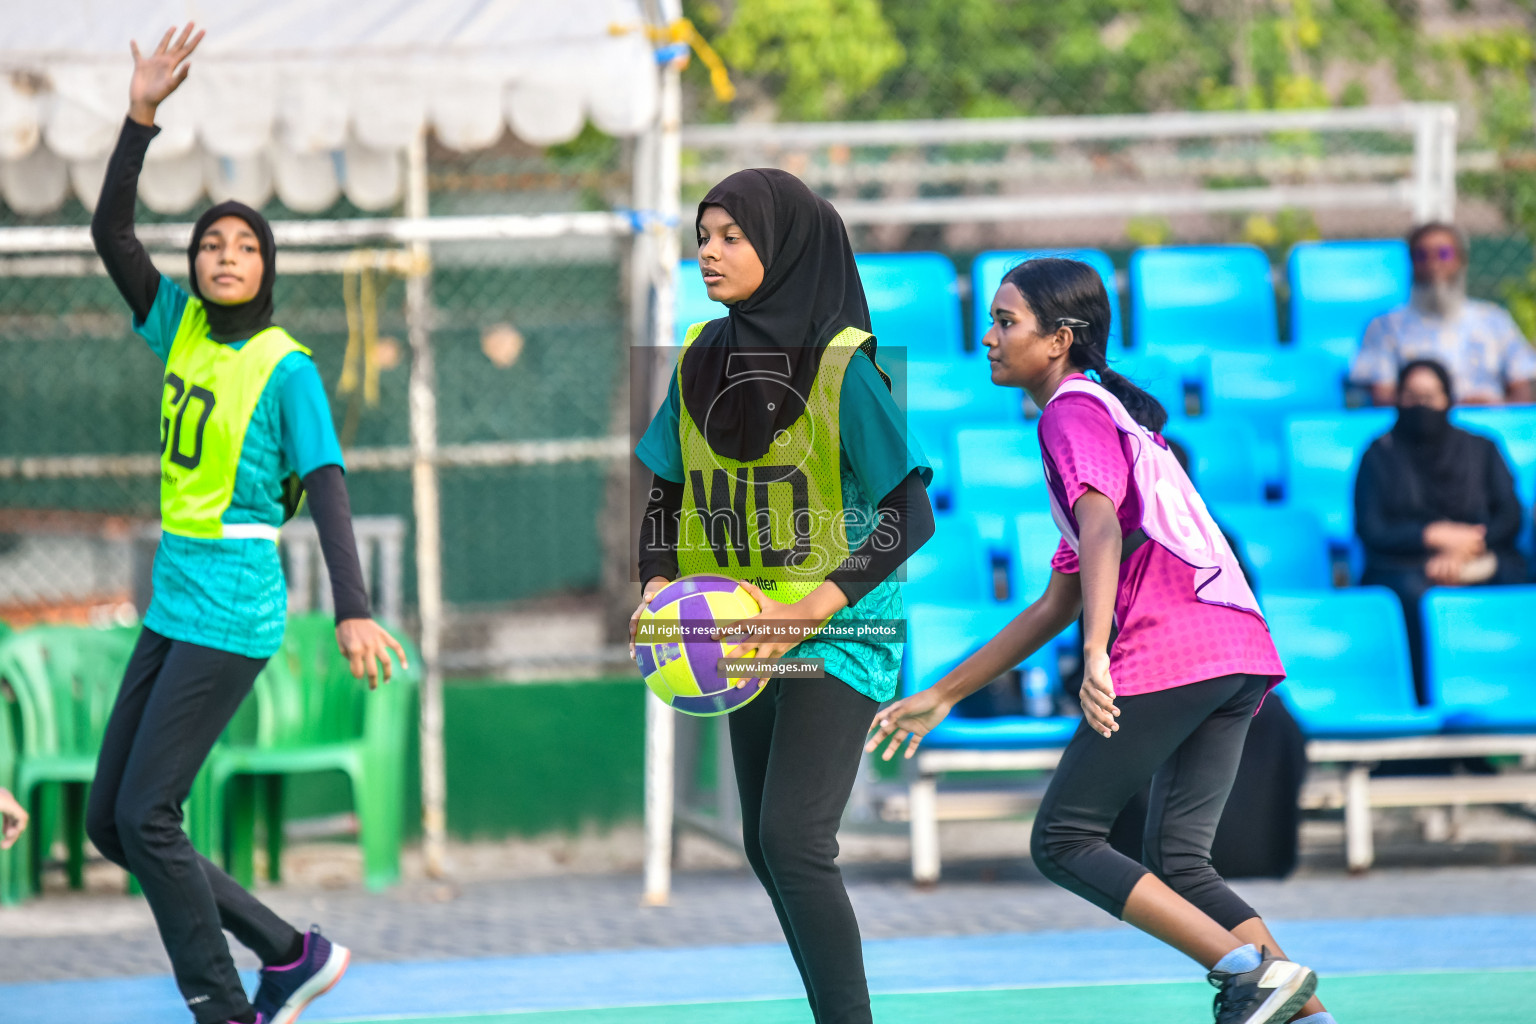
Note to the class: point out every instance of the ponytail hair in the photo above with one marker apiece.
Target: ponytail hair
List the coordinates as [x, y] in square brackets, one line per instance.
[1069, 293]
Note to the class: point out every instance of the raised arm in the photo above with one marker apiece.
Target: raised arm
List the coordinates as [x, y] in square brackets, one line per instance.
[154, 78]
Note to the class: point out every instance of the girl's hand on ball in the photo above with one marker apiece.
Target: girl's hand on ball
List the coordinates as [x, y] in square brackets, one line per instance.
[651, 590]
[771, 633]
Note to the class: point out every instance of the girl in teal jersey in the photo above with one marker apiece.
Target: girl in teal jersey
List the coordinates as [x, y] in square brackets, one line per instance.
[244, 420]
[779, 257]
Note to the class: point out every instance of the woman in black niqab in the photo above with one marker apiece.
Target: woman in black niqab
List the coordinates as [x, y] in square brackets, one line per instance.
[1435, 505]
[810, 292]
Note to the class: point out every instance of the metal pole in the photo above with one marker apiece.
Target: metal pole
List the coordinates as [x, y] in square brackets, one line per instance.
[660, 739]
[665, 147]
[429, 539]
[1425, 156]
[1448, 128]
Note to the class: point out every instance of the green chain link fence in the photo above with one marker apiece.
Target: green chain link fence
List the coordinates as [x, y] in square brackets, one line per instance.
[530, 345]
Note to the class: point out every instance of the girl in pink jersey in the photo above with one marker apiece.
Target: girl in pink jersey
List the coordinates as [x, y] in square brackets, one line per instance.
[1170, 701]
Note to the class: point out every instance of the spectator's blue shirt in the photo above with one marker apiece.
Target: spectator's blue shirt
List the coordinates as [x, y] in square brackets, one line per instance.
[229, 594]
[876, 454]
[1481, 346]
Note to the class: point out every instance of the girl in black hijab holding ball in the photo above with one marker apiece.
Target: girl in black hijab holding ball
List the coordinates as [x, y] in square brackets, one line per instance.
[781, 460]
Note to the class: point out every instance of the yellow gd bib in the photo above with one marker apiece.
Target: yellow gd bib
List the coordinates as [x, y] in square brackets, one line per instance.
[778, 521]
[210, 394]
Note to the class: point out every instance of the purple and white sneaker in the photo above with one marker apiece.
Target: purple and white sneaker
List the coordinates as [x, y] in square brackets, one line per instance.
[286, 991]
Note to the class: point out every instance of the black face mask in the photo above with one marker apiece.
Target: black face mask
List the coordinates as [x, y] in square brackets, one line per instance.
[1421, 424]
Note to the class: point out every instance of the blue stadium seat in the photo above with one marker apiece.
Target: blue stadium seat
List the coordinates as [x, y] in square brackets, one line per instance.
[692, 303]
[1165, 378]
[1338, 287]
[1322, 456]
[1514, 426]
[1271, 385]
[1480, 657]
[1214, 296]
[1224, 457]
[1035, 540]
[940, 397]
[914, 302]
[936, 438]
[1264, 388]
[958, 390]
[1284, 546]
[998, 468]
[989, 267]
[953, 567]
[939, 637]
[1345, 653]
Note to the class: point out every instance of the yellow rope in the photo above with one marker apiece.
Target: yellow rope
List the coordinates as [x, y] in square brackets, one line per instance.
[350, 370]
[360, 296]
[361, 289]
[683, 31]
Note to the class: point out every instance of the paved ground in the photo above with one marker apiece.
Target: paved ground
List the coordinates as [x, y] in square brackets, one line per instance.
[103, 934]
[553, 930]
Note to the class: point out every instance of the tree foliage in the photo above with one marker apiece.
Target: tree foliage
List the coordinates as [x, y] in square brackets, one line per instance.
[817, 59]
[967, 58]
[814, 57]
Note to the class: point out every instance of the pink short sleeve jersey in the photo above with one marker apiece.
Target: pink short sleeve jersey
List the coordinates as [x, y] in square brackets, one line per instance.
[1168, 637]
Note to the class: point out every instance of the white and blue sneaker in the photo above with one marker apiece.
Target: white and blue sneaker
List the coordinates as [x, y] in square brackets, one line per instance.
[286, 991]
[1269, 994]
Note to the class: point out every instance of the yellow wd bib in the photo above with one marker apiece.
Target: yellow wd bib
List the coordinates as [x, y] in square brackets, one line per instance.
[778, 521]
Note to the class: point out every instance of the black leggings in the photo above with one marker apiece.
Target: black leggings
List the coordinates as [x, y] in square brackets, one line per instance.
[1188, 741]
[175, 701]
[797, 749]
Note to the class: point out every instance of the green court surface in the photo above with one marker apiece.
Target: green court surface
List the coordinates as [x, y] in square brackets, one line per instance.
[1494, 997]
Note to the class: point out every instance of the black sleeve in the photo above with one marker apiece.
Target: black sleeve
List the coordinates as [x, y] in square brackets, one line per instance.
[112, 224]
[1380, 527]
[1504, 512]
[904, 524]
[658, 530]
[332, 511]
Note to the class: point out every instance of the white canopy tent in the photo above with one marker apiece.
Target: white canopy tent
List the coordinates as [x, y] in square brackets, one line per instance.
[314, 99]
[308, 99]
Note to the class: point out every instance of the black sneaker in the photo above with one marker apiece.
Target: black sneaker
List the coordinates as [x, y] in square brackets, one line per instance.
[1271, 993]
[285, 991]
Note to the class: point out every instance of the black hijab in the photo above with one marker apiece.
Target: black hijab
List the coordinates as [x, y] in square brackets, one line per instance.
[241, 321]
[1438, 468]
[810, 292]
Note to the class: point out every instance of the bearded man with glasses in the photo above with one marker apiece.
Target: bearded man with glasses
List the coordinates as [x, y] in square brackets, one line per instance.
[1489, 360]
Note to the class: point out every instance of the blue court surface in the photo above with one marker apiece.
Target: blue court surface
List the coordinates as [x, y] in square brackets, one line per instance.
[1450, 970]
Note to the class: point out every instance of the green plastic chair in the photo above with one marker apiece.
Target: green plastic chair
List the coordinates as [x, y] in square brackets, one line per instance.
[312, 716]
[8, 780]
[63, 680]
